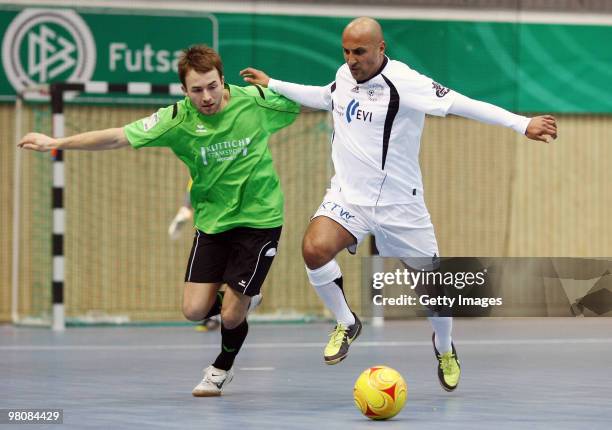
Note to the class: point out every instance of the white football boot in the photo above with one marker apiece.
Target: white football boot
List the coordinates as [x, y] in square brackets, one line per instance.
[213, 382]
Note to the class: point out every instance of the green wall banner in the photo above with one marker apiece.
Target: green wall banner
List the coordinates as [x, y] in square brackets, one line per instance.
[523, 67]
[51, 45]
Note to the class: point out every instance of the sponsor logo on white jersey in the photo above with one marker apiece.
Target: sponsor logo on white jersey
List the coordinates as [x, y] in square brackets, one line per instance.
[441, 91]
[354, 113]
[339, 210]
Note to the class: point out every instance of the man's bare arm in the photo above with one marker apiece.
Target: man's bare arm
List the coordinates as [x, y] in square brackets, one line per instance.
[99, 140]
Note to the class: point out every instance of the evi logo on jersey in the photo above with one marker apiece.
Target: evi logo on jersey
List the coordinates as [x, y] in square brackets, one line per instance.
[353, 112]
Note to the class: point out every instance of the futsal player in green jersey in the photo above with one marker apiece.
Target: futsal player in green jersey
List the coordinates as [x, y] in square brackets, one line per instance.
[221, 133]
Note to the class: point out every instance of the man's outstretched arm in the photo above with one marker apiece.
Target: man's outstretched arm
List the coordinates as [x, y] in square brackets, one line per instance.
[110, 138]
[306, 95]
[542, 128]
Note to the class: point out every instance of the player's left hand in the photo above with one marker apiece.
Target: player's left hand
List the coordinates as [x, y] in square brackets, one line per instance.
[542, 128]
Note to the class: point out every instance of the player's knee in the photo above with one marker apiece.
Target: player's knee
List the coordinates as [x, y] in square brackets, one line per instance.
[193, 313]
[315, 253]
[231, 318]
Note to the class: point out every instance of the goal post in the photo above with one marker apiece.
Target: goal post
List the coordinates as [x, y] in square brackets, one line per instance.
[38, 92]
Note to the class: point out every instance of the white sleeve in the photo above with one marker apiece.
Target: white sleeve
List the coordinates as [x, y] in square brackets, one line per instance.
[488, 113]
[307, 95]
[421, 93]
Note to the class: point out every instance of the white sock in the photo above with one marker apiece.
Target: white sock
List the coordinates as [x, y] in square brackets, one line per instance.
[442, 326]
[322, 279]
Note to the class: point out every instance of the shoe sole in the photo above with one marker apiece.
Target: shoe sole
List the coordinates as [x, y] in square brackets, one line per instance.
[206, 394]
[336, 360]
[211, 393]
[339, 359]
[445, 388]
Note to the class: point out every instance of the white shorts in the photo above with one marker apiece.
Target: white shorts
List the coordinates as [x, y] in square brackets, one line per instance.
[402, 231]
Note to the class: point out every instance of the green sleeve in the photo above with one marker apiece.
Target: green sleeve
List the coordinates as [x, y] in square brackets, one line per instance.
[279, 111]
[153, 130]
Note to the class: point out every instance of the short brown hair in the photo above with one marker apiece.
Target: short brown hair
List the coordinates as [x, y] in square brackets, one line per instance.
[200, 58]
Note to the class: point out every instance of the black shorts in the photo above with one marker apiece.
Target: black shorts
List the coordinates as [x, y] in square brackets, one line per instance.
[240, 257]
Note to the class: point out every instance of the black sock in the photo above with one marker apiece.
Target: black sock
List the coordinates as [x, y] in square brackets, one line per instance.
[216, 307]
[231, 342]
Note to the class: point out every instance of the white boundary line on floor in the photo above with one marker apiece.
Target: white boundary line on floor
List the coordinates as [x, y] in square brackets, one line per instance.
[257, 369]
[296, 345]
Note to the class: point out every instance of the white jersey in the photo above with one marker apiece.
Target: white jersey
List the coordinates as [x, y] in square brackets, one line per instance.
[377, 132]
[378, 125]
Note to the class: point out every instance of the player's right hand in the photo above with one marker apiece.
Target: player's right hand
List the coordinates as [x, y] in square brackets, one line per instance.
[37, 142]
[255, 77]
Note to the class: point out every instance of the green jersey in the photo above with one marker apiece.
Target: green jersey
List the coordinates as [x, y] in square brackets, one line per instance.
[234, 181]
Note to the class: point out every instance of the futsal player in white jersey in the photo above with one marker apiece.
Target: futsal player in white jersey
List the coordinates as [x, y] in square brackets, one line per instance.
[378, 107]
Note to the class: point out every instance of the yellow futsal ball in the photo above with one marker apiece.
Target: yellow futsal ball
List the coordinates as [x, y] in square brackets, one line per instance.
[380, 392]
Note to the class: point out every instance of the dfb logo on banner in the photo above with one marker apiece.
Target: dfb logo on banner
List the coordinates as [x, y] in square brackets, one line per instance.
[48, 45]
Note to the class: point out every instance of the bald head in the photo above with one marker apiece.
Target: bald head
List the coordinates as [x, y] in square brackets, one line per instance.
[364, 47]
[364, 27]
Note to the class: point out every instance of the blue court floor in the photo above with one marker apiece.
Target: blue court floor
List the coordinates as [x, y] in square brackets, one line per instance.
[532, 373]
